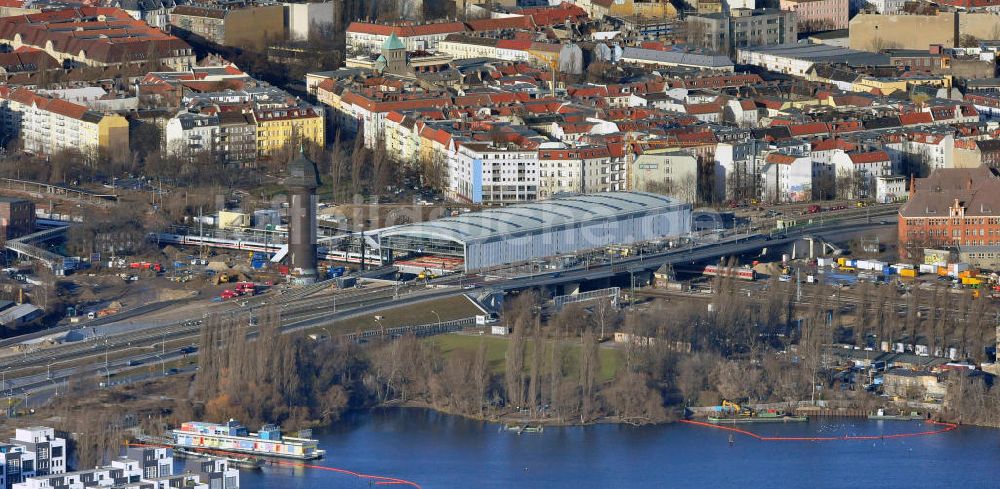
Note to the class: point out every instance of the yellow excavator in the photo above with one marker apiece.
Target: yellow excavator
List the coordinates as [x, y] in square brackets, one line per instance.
[737, 409]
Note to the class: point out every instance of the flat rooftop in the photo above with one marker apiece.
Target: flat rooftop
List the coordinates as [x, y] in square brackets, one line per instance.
[822, 53]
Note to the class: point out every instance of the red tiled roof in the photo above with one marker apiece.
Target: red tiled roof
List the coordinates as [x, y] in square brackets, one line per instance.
[869, 157]
[107, 35]
[848, 126]
[707, 108]
[780, 159]
[573, 153]
[62, 107]
[514, 44]
[810, 128]
[406, 29]
[913, 118]
[832, 144]
[515, 22]
[543, 16]
[326, 85]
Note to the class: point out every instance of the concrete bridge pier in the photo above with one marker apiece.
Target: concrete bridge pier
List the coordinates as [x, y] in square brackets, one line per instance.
[571, 288]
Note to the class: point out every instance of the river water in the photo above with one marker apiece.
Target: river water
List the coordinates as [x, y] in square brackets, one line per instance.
[438, 451]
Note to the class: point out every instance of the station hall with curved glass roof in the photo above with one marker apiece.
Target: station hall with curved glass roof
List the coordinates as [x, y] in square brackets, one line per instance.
[521, 232]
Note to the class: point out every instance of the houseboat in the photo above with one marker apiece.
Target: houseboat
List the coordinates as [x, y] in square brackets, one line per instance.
[233, 437]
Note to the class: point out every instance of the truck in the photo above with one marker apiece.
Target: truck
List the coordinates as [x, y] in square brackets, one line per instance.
[228, 294]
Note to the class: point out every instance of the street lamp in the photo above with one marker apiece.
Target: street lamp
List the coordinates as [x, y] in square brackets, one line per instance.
[438, 318]
[163, 367]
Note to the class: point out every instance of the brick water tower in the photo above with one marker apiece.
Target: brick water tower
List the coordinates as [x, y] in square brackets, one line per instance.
[302, 182]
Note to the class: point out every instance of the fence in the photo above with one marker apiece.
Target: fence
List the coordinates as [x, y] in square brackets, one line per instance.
[417, 330]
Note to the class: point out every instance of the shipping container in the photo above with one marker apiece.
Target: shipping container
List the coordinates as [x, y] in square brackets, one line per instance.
[971, 281]
[925, 268]
[907, 272]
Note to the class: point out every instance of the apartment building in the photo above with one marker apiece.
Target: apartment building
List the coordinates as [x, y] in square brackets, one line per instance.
[191, 134]
[228, 137]
[243, 25]
[141, 468]
[46, 126]
[787, 178]
[674, 173]
[280, 128]
[369, 37]
[587, 169]
[741, 28]
[487, 173]
[818, 15]
[34, 451]
[857, 172]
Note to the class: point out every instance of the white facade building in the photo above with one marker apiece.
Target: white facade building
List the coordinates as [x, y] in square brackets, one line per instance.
[860, 170]
[189, 134]
[674, 174]
[484, 173]
[787, 178]
[308, 20]
[890, 189]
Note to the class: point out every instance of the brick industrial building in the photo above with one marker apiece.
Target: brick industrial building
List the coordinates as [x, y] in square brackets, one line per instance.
[17, 218]
[957, 208]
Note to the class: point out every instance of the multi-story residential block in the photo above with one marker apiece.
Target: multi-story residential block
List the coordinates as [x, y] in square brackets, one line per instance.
[365, 109]
[114, 39]
[818, 15]
[674, 173]
[925, 152]
[153, 12]
[461, 46]
[488, 173]
[34, 451]
[887, 7]
[369, 37]
[140, 468]
[237, 137]
[279, 129]
[586, 169]
[740, 28]
[249, 26]
[192, 135]
[787, 178]
[46, 126]
[308, 21]
[856, 172]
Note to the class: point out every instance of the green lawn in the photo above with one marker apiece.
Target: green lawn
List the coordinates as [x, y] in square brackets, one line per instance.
[424, 313]
[496, 350]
